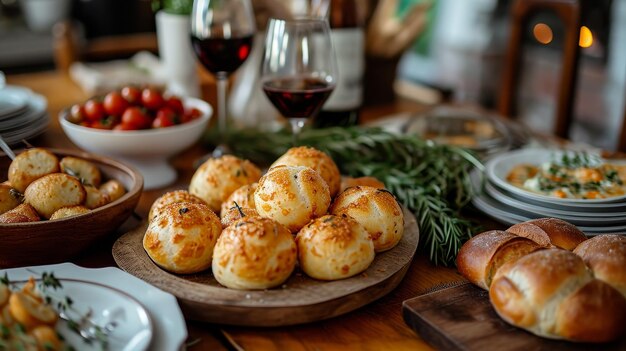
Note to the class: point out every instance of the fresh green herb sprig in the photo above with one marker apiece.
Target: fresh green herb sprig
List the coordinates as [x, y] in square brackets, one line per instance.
[431, 180]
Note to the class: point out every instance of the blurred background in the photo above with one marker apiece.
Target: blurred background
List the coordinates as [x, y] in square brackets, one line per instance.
[459, 56]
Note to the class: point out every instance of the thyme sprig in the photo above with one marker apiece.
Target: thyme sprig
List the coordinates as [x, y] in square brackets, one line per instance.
[431, 180]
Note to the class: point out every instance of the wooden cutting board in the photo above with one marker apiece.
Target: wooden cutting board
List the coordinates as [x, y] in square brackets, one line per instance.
[300, 300]
[461, 318]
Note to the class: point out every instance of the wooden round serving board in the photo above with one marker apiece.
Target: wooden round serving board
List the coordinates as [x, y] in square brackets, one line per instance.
[300, 300]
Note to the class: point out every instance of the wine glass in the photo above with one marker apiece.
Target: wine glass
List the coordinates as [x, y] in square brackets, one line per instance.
[299, 71]
[221, 36]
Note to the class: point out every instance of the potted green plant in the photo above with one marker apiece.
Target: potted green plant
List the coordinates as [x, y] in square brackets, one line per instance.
[173, 24]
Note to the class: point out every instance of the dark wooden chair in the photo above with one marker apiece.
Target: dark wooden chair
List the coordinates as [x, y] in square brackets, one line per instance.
[569, 13]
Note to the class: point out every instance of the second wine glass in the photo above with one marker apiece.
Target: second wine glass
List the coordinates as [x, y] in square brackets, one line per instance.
[221, 36]
[299, 70]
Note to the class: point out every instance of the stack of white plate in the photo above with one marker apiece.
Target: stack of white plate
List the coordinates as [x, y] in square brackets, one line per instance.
[23, 114]
[510, 204]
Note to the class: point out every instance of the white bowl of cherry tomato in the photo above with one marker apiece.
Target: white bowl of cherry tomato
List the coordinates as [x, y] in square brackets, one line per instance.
[140, 126]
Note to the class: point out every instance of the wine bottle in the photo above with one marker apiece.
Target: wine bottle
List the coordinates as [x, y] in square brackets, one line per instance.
[346, 19]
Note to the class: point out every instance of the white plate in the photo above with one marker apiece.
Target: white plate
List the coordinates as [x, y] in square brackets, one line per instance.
[498, 168]
[13, 100]
[509, 216]
[170, 331]
[615, 215]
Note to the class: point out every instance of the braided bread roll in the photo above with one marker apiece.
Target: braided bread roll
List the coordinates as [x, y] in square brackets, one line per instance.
[551, 293]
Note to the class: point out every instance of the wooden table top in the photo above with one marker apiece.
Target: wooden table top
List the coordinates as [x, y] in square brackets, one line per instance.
[378, 326]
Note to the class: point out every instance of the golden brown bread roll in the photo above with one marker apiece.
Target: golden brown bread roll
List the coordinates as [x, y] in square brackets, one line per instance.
[550, 232]
[244, 196]
[375, 209]
[254, 253]
[481, 256]
[172, 197]
[31, 165]
[292, 196]
[334, 247]
[217, 178]
[551, 293]
[606, 256]
[348, 182]
[182, 237]
[316, 160]
[21, 214]
[234, 214]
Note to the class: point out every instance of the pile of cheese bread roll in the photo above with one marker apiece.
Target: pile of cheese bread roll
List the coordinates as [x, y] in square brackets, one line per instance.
[300, 211]
[40, 186]
[546, 277]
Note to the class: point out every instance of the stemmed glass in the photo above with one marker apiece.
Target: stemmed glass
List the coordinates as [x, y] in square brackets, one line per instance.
[299, 70]
[221, 36]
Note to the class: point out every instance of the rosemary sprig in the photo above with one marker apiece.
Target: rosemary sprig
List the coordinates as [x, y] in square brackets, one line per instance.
[430, 180]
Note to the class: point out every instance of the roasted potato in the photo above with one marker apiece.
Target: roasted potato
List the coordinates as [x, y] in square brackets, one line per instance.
[114, 189]
[31, 165]
[69, 211]
[54, 191]
[21, 214]
[9, 198]
[95, 198]
[84, 170]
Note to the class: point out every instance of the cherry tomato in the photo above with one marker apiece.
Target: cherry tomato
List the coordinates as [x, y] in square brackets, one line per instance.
[123, 126]
[152, 99]
[132, 95]
[94, 110]
[162, 121]
[115, 104]
[175, 104]
[107, 122]
[135, 117]
[77, 114]
[190, 115]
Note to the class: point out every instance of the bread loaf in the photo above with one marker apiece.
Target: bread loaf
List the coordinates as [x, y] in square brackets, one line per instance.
[551, 293]
[550, 233]
[606, 256]
[481, 256]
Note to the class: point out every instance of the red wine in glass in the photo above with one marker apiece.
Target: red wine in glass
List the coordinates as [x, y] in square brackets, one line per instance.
[222, 55]
[297, 97]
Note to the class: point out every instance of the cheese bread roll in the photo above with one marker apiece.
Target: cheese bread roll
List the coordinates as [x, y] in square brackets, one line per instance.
[172, 197]
[182, 237]
[31, 165]
[377, 210]
[244, 197]
[234, 214]
[292, 196]
[315, 159]
[254, 253]
[217, 178]
[334, 247]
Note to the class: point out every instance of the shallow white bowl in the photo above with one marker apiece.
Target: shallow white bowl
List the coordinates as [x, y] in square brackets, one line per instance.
[149, 149]
[498, 167]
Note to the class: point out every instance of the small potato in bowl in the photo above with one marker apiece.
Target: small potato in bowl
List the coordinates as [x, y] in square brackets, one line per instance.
[54, 191]
[69, 212]
[31, 165]
[9, 198]
[84, 170]
[21, 214]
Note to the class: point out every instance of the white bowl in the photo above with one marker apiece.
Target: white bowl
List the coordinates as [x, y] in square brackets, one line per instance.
[498, 167]
[149, 149]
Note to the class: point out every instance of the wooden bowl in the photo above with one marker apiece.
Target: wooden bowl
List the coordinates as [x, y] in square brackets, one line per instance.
[59, 240]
